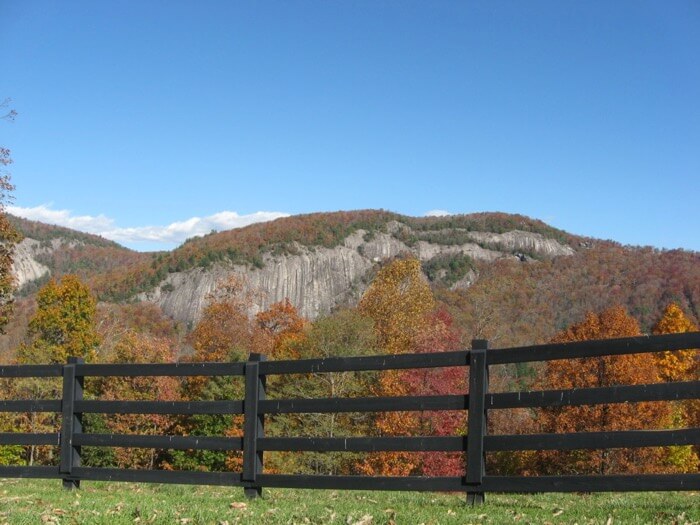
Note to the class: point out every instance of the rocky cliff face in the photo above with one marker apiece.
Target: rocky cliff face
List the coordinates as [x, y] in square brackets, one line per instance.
[25, 266]
[317, 279]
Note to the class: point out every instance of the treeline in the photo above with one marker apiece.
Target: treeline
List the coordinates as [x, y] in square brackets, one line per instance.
[398, 313]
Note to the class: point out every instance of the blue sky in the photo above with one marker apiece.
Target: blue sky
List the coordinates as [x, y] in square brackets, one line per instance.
[152, 121]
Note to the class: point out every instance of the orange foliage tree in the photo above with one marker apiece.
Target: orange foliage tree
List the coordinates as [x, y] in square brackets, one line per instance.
[398, 301]
[602, 372]
[282, 322]
[224, 333]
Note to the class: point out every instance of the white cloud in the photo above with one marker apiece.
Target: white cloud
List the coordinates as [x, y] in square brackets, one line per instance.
[437, 213]
[44, 213]
[155, 236]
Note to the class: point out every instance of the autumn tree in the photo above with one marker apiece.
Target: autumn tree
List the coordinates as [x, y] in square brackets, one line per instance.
[283, 324]
[398, 301]
[225, 333]
[604, 371]
[115, 321]
[135, 347]
[64, 323]
[680, 365]
[10, 454]
[9, 237]
[439, 335]
[62, 326]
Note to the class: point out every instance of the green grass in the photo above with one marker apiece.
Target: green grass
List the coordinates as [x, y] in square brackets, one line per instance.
[44, 501]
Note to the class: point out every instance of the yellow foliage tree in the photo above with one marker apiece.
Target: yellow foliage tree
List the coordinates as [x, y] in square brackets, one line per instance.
[64, 324]
[680, 365]
[399, 301]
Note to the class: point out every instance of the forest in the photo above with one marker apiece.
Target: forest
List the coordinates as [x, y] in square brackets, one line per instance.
[399, 312]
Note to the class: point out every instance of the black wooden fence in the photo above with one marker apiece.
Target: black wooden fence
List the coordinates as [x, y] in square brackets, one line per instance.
[254, 407]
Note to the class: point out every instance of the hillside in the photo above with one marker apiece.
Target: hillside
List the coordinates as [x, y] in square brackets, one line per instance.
[254, 245]
[53, 250]
[507, 277]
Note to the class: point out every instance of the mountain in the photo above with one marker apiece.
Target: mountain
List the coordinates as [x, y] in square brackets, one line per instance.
[47, 250]
[528, 278]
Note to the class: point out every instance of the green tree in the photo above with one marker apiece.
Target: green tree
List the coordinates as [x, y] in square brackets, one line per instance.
[344, 333]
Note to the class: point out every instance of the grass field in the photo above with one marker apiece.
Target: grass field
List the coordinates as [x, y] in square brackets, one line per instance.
[44, 501]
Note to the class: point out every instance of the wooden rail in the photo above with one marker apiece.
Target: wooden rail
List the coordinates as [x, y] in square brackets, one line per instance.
[255, 407]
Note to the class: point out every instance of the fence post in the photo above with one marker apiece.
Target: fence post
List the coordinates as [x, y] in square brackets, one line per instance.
[477, 421]
[253, 425]
[71, 422]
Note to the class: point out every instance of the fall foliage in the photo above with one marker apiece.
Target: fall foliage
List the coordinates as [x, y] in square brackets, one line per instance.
[139, 348]
[440, 335]
[680, 365]
[511, 303]
[604, 371]
[399, 301]
[285, 326]
[225, 333]
[64, 324]
[8, 238]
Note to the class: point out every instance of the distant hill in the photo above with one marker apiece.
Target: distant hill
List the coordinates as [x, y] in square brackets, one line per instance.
[509, 277]
[54, 250]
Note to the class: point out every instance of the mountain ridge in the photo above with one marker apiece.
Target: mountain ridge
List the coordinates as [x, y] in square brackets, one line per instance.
[322, 261]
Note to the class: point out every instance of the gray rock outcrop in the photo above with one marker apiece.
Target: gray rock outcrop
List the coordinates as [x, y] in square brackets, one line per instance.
[317, 279]
[25, 267]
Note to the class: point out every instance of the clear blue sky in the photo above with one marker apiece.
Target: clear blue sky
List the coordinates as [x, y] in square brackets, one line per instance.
[135, 116]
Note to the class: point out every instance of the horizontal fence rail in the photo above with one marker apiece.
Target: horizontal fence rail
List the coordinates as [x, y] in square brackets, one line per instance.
[254, 408]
